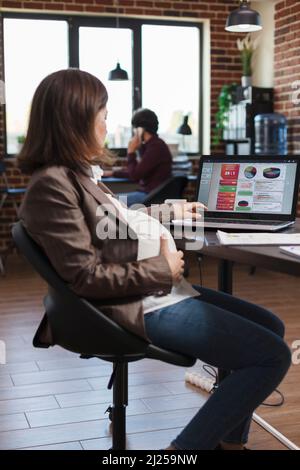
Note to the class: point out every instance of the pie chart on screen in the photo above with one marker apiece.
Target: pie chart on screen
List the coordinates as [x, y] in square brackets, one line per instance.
[250, 172]
[243, 203]
[272, 173]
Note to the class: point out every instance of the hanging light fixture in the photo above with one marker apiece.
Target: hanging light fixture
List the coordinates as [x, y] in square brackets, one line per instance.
[243, 19]
[118, 73]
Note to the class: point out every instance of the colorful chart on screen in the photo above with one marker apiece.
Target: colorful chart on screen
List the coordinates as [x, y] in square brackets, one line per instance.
[272, 173]
[250, 172]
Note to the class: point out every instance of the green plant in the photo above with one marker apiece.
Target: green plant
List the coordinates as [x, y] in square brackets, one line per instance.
[247, 46]
[221, 117]
[21, 139]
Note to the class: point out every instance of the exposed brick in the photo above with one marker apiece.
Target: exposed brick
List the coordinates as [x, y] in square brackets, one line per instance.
[287, 44]
[11, 4]
[145, 3]
[54, 6]
[94, 9]
[34, 5]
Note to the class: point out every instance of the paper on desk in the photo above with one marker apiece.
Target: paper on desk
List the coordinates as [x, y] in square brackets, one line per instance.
[258, 238]
[291, 250]
[188, 222]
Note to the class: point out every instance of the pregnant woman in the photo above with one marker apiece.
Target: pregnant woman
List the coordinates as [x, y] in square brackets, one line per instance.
[138, 279]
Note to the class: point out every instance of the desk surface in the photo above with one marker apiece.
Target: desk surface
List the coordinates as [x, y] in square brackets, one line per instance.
[112, 179]
[268, 257]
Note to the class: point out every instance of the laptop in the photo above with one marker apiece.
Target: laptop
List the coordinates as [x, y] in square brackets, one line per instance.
[248, 193]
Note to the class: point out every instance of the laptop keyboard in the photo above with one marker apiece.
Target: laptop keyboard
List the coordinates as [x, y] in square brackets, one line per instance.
[246, 222]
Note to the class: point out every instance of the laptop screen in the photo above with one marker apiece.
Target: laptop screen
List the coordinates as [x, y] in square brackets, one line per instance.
[248, 188]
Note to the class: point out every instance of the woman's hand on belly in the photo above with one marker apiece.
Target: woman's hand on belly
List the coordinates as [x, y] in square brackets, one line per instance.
[174, 259]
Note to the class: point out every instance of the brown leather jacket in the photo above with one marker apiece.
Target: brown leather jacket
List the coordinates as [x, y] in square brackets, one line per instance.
[60, 211]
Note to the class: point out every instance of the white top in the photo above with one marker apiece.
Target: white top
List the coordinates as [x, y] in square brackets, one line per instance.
[97, 173]
[148, 230]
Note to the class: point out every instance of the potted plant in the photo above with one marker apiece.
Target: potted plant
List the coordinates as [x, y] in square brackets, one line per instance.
[247, 46]
[224, 103]
[20, 140]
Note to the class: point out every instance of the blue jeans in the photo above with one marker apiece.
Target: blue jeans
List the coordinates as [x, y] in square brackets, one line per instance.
[135, 197]
[232, 334]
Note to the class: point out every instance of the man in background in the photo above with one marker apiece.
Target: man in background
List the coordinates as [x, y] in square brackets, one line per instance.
[154, 165]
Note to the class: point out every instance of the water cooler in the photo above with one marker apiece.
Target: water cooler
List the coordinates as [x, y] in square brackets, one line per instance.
[271, 134]
[247, 103]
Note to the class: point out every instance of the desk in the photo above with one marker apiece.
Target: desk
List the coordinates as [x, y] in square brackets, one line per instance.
[125, 185]
[113, 179]
[120, 185]
[268, 257]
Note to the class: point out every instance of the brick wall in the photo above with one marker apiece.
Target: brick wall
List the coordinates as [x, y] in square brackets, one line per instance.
[287, 66]
[287, 69]
[225, 66]
[1, 106]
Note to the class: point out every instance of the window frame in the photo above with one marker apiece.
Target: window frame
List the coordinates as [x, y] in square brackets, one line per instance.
[135, 24]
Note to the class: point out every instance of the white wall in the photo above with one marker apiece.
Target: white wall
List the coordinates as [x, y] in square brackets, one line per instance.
[263, 60]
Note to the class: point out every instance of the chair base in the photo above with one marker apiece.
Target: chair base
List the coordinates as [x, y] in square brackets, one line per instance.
[117, 412]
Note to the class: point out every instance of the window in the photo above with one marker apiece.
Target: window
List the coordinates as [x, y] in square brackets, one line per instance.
[97, 58]
[170, 80]
[32, 50]
[162, 58]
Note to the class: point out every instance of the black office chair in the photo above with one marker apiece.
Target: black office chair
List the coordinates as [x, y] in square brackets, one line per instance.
[81, 328]
[172, 188]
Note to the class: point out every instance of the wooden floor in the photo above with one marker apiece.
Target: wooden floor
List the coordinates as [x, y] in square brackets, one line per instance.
[51, 399]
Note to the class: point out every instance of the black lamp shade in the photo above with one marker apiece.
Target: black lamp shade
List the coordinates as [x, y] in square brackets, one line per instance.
[243, 20]
[118, 73]
[184, 129]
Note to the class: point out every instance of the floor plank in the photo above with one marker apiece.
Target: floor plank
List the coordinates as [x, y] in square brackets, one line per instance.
[5, 381]
[18, 367]
[79, 413]
[11, 422]
[161, 439]
[61, 446]
[145, 378]
[101, 396]
[39, 390]
[91, 429]
[28, 404]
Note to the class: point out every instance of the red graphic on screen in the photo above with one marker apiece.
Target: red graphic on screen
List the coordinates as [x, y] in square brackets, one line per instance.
[227, 187]
[230, 171]
[228, 182]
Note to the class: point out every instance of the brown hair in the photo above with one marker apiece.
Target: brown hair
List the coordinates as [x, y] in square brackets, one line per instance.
[61, 124]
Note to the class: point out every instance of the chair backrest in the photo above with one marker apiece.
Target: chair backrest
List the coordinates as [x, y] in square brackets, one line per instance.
[2, 167]
[75, 323]
[3, 178]
[172, 188]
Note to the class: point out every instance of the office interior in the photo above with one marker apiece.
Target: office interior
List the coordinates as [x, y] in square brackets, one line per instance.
[216, 93]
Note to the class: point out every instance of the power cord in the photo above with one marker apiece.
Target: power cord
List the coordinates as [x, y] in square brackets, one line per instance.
[210, 384]
[199, 258]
